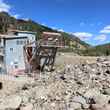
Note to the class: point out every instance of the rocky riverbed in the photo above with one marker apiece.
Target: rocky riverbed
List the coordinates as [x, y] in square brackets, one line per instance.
[78, 86]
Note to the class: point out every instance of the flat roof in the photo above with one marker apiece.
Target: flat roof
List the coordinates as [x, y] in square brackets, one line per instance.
[52, 33]
[22, 31]
[11, 36]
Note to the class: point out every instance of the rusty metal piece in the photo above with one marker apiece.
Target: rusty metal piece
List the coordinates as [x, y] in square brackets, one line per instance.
[42, 53]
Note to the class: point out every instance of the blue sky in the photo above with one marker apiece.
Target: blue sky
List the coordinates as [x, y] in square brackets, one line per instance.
[87, 19]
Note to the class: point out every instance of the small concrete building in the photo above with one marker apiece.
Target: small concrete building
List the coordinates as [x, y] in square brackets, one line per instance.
[11, 50]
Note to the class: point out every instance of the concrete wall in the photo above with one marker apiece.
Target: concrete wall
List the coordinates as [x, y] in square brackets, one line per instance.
[31, 36]
[14, 58]
[13, 46]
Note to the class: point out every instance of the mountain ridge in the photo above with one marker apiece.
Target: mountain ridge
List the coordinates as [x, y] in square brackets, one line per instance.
[30, 25]
[72, 41]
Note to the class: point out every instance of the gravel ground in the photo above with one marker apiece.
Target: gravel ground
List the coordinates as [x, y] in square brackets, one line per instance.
[82, 84]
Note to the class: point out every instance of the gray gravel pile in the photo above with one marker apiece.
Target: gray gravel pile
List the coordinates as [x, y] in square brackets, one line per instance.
[77, 87]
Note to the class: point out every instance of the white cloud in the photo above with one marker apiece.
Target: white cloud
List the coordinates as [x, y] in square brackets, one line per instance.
[101, 38]
[16, 16]
[58, 29]
[4, 6]
[61, 30]
[106, 29]
[25, 19]
[54, 28]
[83, 35]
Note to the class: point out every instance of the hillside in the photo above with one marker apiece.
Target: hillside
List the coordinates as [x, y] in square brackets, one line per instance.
[99, 50]
[29, 25]
[33, 26]
[73, 42]
[104, 49]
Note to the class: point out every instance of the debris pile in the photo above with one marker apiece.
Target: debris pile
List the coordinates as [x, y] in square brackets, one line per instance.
[84, 86]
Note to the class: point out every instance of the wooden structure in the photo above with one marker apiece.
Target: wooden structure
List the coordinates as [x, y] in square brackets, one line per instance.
[42, 53]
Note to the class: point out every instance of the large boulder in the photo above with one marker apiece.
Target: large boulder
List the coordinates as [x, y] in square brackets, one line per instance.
[97, 96]
[11, 103]
[29, 106]
[100, 107]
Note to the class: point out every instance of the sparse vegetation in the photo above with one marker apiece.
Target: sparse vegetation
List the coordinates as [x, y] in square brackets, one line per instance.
[100, 50]
[74, 43]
